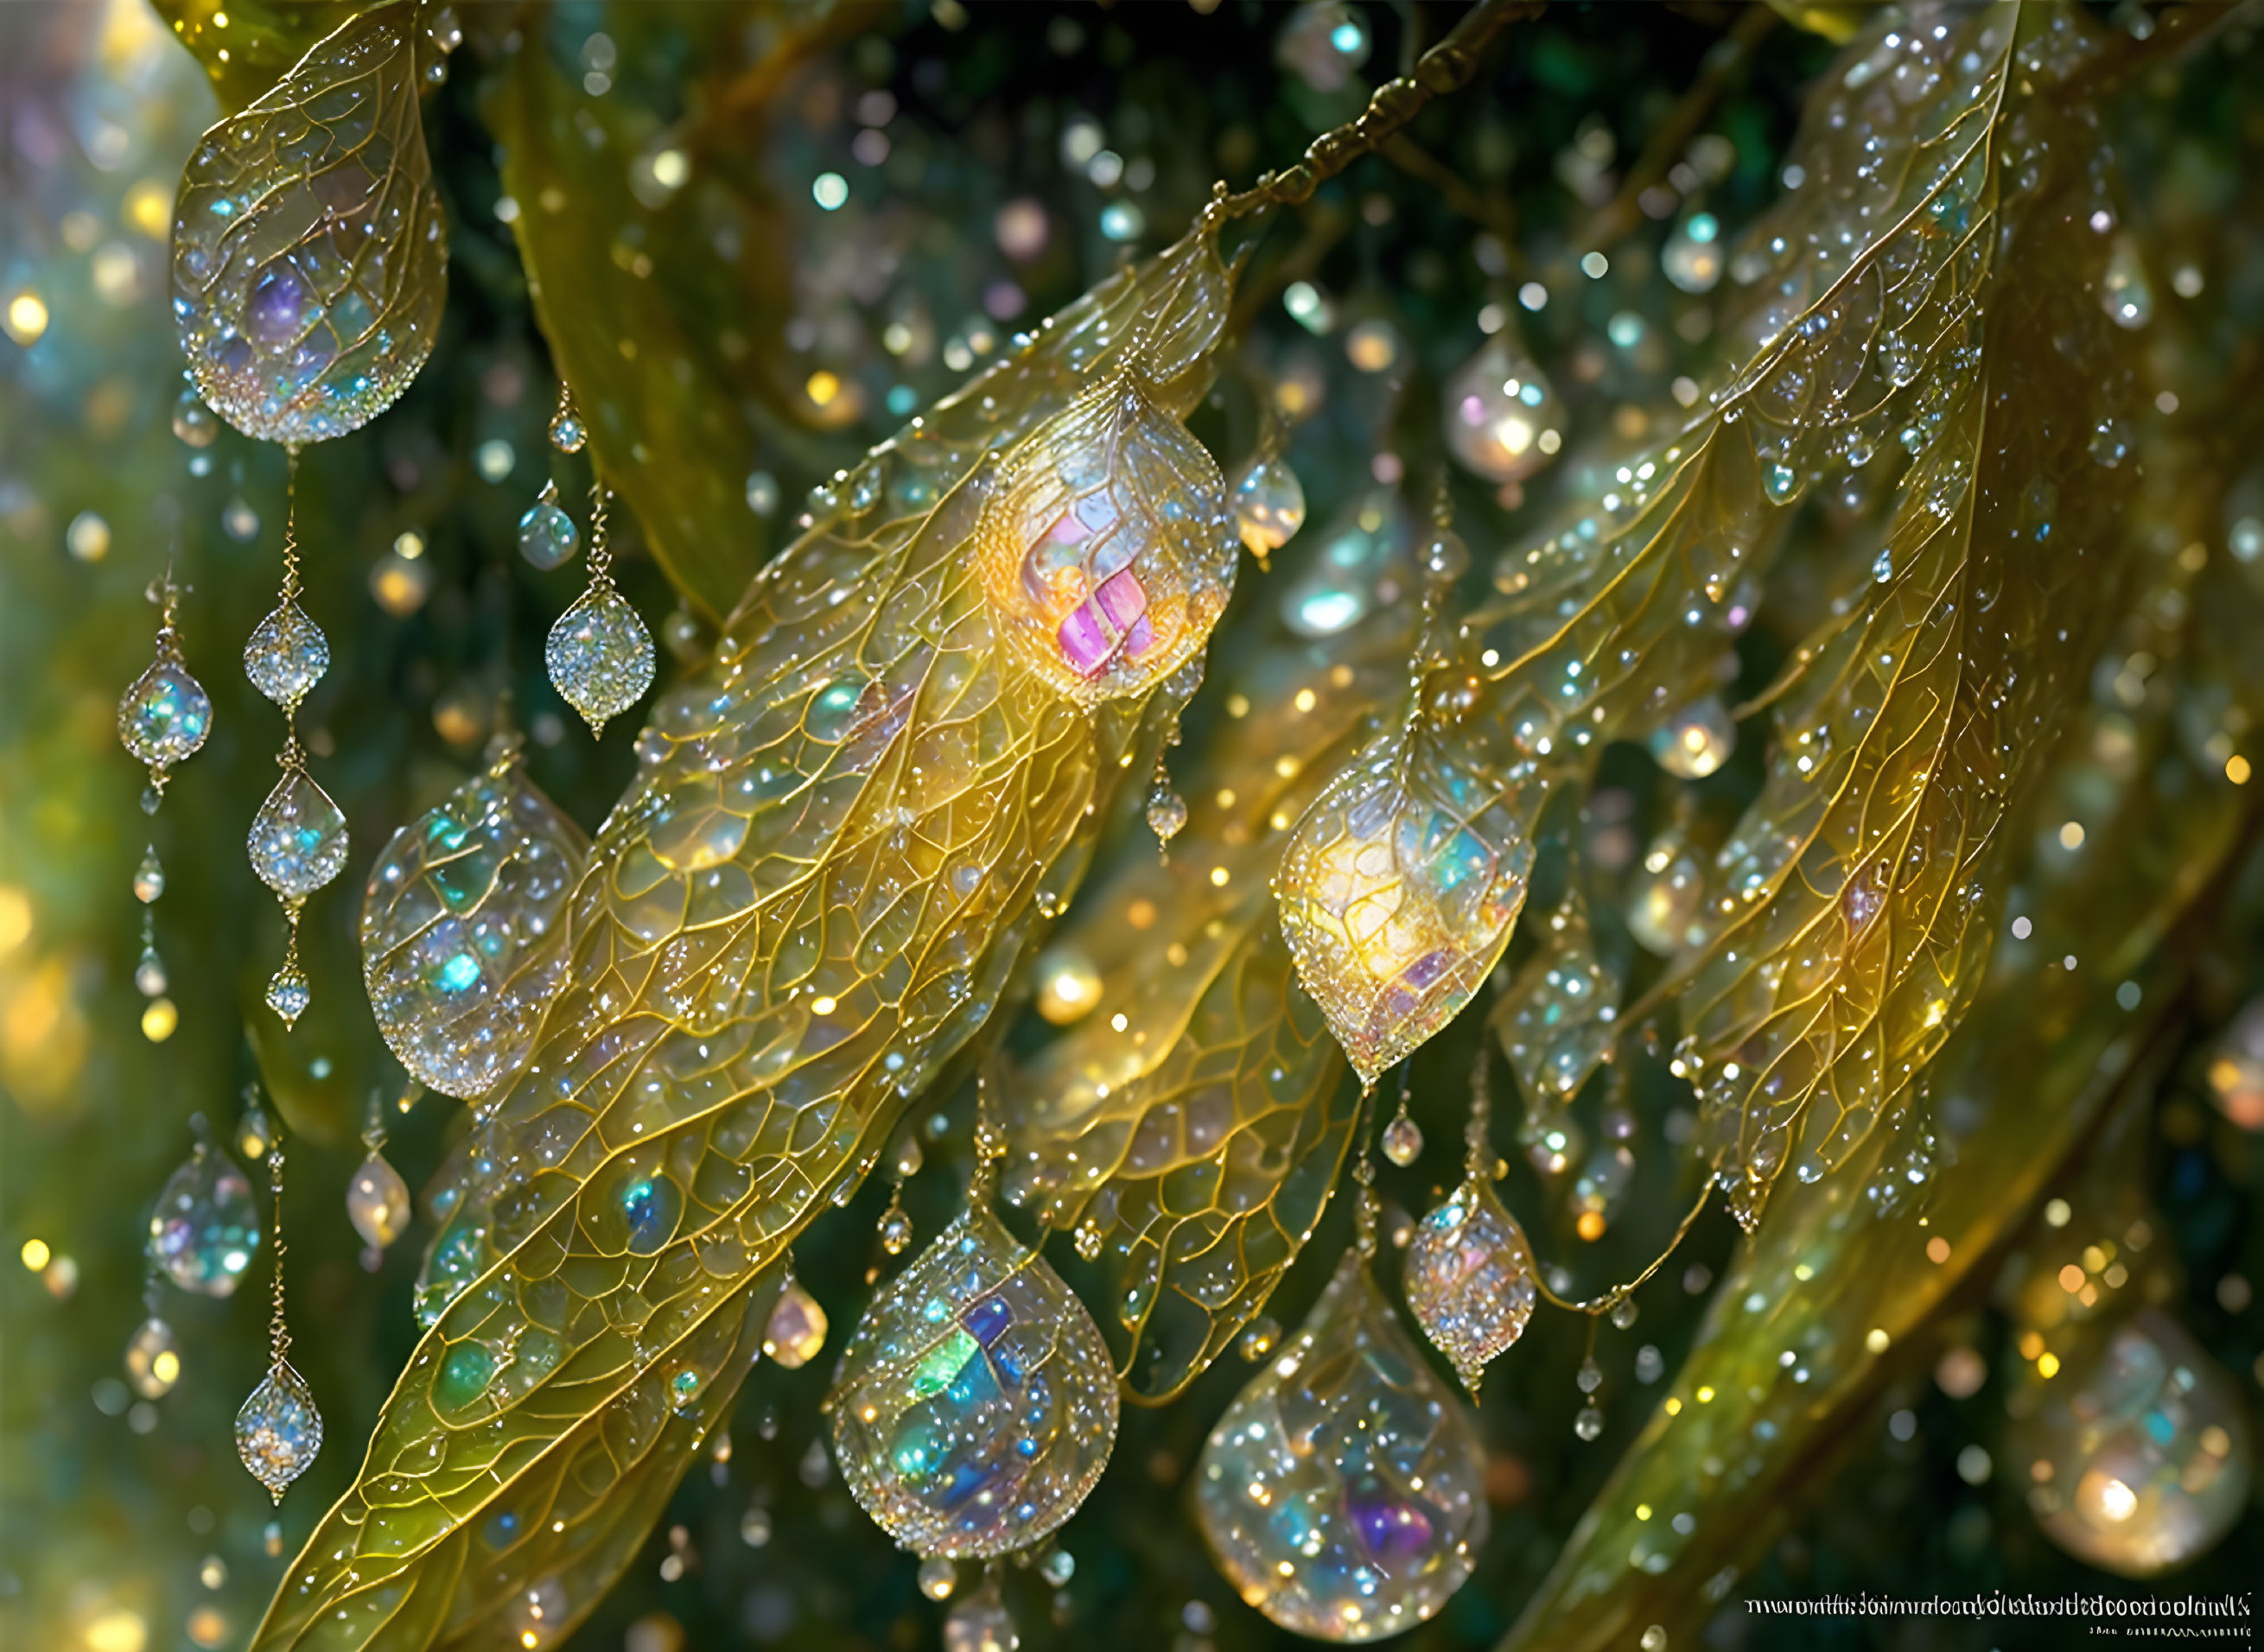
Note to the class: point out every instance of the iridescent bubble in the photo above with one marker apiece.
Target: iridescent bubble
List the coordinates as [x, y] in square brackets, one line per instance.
[2138, 1451]
[1502, 417]
[377, 1201]
[976, 1404]
[205, 1227]
[464, 930]
[1696, 740]
[1269, 503]
[547, 537]
[153, 1359]
[1343, 1492]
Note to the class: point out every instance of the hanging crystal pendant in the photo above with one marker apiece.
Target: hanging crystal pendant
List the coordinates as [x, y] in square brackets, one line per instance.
[153, 1359]
[976, 1404]
[599, 654]
[1402, 1139]
[463, 927]
[568, 433]
[794, 1334]
[1503, 419]
[1166, 812]
[165, 717]
[205, 1228]
[1470, 1278]
[298, 839]
[547, 537]
[1696, 740]
[1343, 1492]
[148, 878]
[278, 1430]
[377, 1201]
[1269, 503]
[287, 654]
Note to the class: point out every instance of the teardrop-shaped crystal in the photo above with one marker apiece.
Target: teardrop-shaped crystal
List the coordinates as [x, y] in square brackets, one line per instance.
[1268, 503]
[1167, 812]
[1502, 418]
[980, 1622]
[288, 992]
[600, 655]
[309, 265]
[1402, 1141]
[166, 714]
[149, 974]
[153, 1359]
[463, 929]
[287, 654]
[1558, 1016]
[148, 878]
[298, 839]
[1469, 1279]
[568, 433]
[1343, 1492]
[1696, 741]
[1105, 548]
[547, 537]
[205, 1227]
[278, 1430]
[795, 1332]
[976, 1404]
[377, 1201]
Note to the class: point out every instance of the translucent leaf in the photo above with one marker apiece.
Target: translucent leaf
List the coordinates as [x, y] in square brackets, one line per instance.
[1860, 326]
[840, 835]
[1187, 1128]
[246, 49]
[309, 257]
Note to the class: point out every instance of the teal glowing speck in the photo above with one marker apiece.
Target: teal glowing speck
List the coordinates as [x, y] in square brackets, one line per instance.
[460, 973]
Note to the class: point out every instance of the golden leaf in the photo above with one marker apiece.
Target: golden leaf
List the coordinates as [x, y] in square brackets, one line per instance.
[310, 262]
[840, 834]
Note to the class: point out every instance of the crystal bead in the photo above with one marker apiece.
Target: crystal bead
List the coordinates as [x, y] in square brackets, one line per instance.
[149, 974]
[895, 1233]
[151, 797]
[254, 1136]
[600, 655]
[278, 1430]
[464, 930]
[205, 1227]
[298, 839]
[1589, 1423]
[148, 878]
[1167, 814]
[309, 249]
[568, 434]
[547, 537]
[938, 1578]
[1402, 1141]
[1058, 1567]
[981, 1623]
[1342, 1494]
[193, 420]
[1503, 419]
[976, 1404]
[1269, 503]
[1259, 1340]
[795, 1332]
[1665, 896]
[287, 654]
[377, 1201]
[288, 994]
[165, 715]
[1696, 741]
[2141, 1444]
[153, 1359]
[1470, 1278]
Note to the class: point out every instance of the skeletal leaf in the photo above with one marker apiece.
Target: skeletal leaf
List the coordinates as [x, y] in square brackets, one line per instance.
[1859, 326]
[2044, 1052]
[1188, 1128]
[1852, 931]
[310, 258]
[840, 835]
